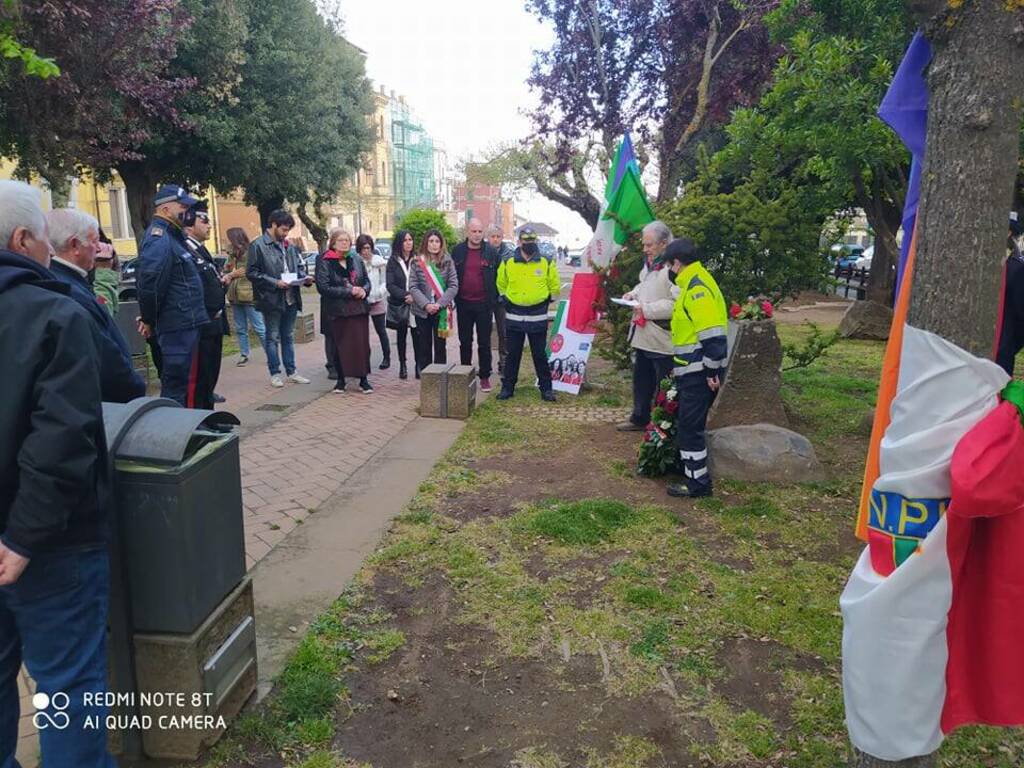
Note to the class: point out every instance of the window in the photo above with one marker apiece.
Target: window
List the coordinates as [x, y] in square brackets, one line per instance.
[380, 130]
[120, 221]
[383, 174]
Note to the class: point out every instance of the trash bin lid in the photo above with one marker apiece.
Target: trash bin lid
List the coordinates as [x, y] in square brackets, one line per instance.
[160, 429]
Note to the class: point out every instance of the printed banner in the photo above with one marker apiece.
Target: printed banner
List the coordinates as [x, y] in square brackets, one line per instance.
[568, 353]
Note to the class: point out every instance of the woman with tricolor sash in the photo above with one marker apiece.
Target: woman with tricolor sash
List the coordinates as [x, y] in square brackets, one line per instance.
[433, 284]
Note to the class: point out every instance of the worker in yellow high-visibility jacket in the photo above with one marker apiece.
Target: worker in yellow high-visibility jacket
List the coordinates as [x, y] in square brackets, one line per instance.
[699, 335]
[527, 282]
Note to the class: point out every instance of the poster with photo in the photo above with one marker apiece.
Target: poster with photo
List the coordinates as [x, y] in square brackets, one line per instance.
[568, 353]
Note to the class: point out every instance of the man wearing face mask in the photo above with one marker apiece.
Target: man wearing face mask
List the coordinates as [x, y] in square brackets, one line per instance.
[528, 282]
[171, 293]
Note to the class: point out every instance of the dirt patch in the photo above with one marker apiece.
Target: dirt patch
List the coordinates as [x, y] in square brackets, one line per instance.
[459, 703]
[753, 676]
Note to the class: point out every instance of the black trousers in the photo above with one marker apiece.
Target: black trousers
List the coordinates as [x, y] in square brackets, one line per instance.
[156, 354]
[499, 324]
[429, 347]
[330, 348]
[402, 342]
[695, 399]
[380, 326]
[478, 317]
[649, 368]
[516, 337]
[211, 349]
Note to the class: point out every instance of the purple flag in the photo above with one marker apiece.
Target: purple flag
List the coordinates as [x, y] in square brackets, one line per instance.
[905, 110]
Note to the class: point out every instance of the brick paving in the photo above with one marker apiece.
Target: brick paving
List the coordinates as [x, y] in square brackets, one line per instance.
[290, 467]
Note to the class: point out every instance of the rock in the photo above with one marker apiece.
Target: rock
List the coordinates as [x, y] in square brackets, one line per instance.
[751, 393]
[866, 320]
[867, 422]
[760, 453]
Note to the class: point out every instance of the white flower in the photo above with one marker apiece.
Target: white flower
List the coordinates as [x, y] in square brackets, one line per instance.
[671, 395]
[666, 425]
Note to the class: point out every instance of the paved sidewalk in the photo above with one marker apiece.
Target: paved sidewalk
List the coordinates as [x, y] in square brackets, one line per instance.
[305, 450]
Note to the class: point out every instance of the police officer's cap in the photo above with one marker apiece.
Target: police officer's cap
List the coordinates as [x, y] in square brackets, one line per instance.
[201, 206]
[172, 193]
[682, 249]
[528, 235]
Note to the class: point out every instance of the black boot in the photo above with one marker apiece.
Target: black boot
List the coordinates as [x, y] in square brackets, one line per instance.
[385, 364]
[417, 371]
[403, 372]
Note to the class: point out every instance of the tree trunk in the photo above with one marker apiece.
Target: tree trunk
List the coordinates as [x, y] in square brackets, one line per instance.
[267, 207]
[882, 277]
[316, 228]
[60, 190]
[976, 85]
[139, 189]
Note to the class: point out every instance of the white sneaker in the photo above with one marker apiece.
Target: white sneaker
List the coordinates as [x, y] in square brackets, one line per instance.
[276, 381]
[297, 378]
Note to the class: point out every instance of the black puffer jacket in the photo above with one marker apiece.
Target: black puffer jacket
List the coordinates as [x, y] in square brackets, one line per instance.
[54, 484]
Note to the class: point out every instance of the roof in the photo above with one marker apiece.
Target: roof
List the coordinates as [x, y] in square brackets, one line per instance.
[542, 229]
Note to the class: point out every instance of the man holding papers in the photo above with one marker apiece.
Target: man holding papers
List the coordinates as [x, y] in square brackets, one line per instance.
[650, 333]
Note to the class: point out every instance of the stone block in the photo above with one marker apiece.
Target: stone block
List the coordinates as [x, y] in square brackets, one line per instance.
[434, 390]
[866, 320]
[462, 386]
[305, 327]
[762, 453]
[752, 390]
[215, 669]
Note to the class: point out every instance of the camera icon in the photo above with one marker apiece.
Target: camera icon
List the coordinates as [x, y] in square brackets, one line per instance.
[58, 718]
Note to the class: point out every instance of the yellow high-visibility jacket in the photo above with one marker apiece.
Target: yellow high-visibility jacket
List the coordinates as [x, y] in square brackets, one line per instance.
[699, 323]
[528, 285]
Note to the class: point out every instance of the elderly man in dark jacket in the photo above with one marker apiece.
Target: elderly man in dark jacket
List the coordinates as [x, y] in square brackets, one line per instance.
[54, 574]
[74, 235]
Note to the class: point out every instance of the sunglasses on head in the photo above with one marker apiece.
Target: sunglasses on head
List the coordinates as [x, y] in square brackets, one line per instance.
[203, 218]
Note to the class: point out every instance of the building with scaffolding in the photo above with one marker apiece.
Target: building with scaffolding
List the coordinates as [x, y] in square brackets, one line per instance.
[412, 160]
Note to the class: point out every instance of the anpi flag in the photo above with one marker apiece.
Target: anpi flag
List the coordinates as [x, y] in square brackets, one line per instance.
[625, 208]
[933, 613]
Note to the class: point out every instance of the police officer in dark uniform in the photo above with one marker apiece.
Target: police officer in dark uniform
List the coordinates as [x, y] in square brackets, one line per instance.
[211, 335]
[1011, 336]
[171, 294]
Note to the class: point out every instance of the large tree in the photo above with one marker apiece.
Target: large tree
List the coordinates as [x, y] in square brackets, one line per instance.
[672, 70]
[113, 84]
[305, 103]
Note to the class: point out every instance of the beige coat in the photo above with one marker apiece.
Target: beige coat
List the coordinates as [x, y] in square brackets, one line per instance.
[657, 296]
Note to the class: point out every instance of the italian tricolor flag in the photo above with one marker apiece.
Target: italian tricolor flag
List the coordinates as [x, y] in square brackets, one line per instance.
[933, 613]
[438, 287]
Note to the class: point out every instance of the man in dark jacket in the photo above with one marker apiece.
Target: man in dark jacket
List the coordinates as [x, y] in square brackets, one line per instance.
[271, 259]
[1011, 336]
[504, 251]
[476, 264]
[171, 293]
[74, 235]
[211, 335]
[54, 574]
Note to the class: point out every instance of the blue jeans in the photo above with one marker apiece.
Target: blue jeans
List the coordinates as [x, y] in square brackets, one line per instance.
[247, 315]
[55, 619]
[281, 330]
[180, 352]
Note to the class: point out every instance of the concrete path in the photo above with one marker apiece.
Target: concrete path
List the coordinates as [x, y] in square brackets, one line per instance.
[322, 477]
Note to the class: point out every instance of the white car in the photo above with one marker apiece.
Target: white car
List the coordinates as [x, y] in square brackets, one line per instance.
[864, 262]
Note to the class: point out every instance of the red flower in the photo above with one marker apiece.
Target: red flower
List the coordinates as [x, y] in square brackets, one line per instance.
[735, 310]
[767, 308]
[659, 399]
[671, 407]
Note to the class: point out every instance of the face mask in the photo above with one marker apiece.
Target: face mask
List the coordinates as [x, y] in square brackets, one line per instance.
[530, 249]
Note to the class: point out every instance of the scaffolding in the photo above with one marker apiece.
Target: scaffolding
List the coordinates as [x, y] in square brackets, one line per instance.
[412, 161]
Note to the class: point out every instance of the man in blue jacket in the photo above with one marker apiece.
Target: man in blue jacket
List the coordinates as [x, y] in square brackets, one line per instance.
[171, 293]
[74, 236]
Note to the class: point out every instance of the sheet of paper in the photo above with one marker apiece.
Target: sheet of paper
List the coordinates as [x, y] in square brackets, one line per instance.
[626, 302]
[292, 278]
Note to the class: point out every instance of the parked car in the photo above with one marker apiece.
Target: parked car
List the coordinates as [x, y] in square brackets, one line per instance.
[575, 257]
[864, 262]
[309, 259]
[383, 248]
[548, 250]
[845, 256]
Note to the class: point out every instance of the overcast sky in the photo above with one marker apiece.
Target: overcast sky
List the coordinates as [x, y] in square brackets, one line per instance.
[462, 66]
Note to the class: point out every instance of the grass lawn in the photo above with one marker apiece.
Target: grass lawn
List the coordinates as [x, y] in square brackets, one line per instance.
[540, 606]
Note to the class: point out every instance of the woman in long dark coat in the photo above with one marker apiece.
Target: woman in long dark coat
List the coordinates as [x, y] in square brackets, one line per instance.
[343, 283]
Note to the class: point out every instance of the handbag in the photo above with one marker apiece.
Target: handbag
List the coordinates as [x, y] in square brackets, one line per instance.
[397, 316]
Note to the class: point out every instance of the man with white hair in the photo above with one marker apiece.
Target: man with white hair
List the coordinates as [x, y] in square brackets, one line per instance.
[75, 236]
[650, 334]
[54, 574]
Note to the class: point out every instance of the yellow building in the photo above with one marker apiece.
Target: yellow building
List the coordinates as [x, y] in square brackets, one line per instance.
[109, 204]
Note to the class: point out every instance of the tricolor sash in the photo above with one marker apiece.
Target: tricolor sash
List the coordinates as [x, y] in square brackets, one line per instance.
[438, 287]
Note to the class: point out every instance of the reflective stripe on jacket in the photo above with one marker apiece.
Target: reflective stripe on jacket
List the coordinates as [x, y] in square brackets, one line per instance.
[699, 323]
